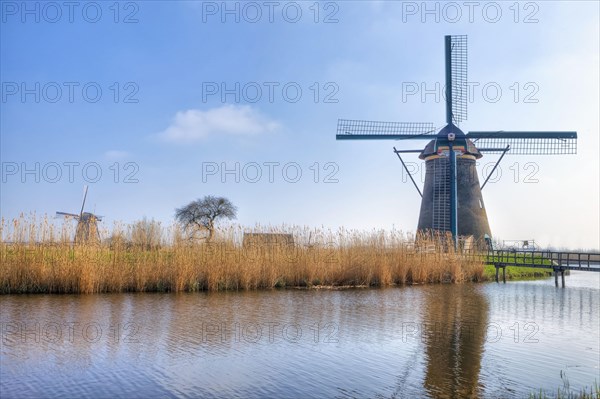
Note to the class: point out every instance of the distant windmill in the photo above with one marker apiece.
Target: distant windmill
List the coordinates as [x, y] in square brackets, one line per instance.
[451, 198]
[87, 226]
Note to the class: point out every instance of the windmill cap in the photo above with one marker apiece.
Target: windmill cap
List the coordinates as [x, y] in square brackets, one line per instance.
[450, 128]
[459, 139]
[89, 215]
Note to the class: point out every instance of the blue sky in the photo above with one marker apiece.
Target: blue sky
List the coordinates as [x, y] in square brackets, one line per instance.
[179, 98]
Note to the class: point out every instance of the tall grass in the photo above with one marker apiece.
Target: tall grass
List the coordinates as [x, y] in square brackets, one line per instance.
[37, 256]
[567, 393]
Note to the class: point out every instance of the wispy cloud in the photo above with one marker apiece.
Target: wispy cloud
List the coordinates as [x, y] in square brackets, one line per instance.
[116, 154]
[194, 125]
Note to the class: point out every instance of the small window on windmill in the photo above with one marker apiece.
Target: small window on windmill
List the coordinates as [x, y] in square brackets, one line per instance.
[480, 203]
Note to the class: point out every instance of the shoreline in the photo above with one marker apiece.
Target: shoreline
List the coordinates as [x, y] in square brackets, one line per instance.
[319, 287]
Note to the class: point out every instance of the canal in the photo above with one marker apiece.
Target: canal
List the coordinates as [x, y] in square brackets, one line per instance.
[479, 340]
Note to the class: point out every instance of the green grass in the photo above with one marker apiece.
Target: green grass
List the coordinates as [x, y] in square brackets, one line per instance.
[566, 393]
[516, 272]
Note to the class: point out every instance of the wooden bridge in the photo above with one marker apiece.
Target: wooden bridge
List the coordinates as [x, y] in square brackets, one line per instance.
[558, 261]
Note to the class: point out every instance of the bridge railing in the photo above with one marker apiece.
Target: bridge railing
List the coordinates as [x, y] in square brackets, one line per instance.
[544, 259]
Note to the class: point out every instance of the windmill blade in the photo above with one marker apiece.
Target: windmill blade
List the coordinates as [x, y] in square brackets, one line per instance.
[407, 151]
[526, 143]
[456, 79]
[67, 214]
[348, 129]
[85, 190]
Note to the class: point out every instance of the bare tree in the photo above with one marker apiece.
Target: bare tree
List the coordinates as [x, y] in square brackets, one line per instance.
[202, 214]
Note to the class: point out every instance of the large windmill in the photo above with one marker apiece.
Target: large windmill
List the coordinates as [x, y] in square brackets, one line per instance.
[87, 223]
[451, 197]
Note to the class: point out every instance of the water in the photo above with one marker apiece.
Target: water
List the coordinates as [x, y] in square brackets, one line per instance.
[480, 340]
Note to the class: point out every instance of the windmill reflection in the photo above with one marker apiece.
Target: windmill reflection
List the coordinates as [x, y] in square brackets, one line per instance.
[453, 333]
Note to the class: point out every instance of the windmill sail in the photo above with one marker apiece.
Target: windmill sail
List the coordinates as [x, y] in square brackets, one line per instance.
[348, 129]
[85, 190]
[58, 213]
[456, 79]
[441, 195]
[526, 143]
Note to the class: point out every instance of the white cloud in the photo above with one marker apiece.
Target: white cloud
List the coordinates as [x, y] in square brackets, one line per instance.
[116, 154]
[193, 124]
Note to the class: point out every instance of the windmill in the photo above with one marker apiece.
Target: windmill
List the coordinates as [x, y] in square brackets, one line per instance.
[87, 226]
[451, 197]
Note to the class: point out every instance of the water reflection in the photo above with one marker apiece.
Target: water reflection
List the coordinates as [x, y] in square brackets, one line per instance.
[455, 321]
[421, 341]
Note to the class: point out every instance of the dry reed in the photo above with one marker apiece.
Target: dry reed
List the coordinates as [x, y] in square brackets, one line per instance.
[38, 257]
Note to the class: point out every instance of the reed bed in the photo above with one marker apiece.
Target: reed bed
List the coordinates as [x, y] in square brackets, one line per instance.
[37, 256]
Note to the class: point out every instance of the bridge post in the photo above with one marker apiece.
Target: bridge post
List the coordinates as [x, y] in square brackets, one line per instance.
[556, 277]
[496, 273]
[504, 274]
[562, 276]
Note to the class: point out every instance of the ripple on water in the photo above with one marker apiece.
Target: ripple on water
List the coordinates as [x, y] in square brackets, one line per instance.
[421, 341]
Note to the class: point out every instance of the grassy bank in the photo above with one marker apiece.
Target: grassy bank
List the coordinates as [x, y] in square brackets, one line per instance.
[516, 272]
[37, 257]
